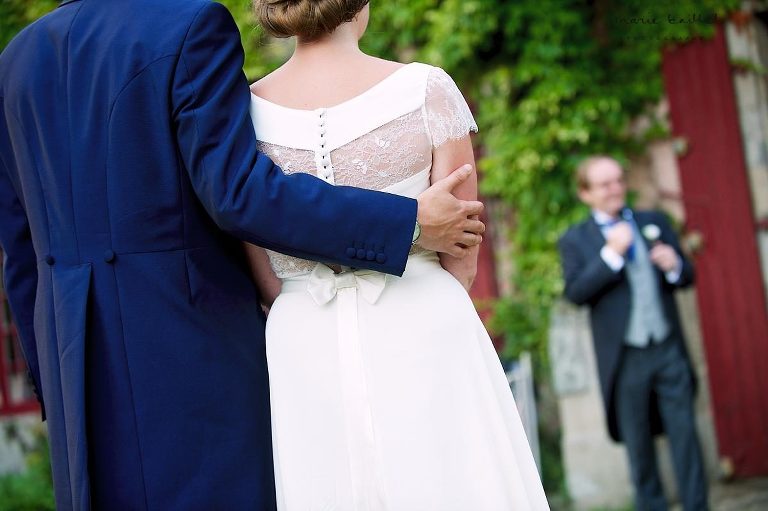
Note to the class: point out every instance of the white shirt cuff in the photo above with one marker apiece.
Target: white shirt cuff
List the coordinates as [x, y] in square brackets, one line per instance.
[673, 276]
[612, 258]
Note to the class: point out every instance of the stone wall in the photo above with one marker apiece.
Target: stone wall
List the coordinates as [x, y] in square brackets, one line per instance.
[17, 436]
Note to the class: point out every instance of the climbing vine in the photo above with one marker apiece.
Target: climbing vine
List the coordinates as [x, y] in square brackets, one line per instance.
[550, 81]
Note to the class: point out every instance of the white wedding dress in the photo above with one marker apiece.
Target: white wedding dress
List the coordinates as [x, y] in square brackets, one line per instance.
[386, 392]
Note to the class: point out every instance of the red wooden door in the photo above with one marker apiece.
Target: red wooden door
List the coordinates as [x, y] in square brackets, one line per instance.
[730, 290]
[15, 395]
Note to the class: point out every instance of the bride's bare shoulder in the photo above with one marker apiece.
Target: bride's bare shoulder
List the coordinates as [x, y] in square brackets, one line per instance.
[263, 86]
[339, 79]
[385, 65]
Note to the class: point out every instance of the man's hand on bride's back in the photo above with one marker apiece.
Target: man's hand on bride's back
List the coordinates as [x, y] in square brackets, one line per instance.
[448, 224]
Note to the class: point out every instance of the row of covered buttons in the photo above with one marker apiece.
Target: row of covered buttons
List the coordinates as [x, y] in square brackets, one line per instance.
[323, 155]
[109, 256]
[370, 255]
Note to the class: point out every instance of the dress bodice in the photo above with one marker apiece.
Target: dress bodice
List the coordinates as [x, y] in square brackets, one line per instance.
[381, 139]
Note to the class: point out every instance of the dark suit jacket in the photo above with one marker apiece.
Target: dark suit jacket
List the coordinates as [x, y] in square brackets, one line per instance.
[127, 162]
[590, 281]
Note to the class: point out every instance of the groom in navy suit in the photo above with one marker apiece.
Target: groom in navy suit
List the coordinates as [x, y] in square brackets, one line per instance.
[128, 175]
[626, 265]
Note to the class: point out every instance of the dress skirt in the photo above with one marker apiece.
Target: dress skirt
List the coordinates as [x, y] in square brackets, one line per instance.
[387, 394]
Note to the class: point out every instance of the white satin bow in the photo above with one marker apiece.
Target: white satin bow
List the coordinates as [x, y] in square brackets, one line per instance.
[324, 284]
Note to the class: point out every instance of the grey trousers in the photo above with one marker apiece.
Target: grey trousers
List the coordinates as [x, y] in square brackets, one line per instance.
[660, 369]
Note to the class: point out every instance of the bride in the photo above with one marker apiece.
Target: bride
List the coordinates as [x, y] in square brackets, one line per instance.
[386, 392]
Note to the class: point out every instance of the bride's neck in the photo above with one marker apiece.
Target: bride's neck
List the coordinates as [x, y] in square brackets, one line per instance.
[339, 46]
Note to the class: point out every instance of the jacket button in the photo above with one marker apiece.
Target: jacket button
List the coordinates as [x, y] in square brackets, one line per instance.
[371, 255]
[351, 252]
[381, 258]
[109, 256]
[361, 253]
[49, 260]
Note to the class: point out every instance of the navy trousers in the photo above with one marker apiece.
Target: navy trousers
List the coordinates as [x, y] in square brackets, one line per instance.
[660, 369]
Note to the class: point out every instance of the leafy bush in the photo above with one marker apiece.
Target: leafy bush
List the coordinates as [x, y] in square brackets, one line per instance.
[31, 490]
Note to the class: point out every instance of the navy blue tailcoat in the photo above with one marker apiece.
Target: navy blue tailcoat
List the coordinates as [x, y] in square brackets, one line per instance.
[128, 175]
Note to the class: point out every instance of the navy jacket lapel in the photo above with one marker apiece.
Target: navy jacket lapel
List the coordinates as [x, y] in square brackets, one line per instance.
[594, 234]
[641, 220]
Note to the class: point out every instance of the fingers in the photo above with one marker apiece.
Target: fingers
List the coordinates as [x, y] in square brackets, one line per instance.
[473, 226]
[472, 208]
[463, 245]
[455, 178]
[457, 251]
[470, 240]
[621, 231]
[662, 252]
[664, 257]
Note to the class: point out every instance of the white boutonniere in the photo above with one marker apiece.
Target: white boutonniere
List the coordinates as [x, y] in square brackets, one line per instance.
[652, 233]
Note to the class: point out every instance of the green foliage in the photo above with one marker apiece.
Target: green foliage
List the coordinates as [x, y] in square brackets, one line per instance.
[16, 14]
[552, 469]
[551, 81]
[262, 54]
[571, 81]
[31, 490]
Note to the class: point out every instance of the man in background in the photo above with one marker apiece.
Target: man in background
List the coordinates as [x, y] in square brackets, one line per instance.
[625, 265]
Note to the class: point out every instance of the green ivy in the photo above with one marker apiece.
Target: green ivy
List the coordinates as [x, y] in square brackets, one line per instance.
[550, 81]
[31, 490]
[566, 79]
[16, 14]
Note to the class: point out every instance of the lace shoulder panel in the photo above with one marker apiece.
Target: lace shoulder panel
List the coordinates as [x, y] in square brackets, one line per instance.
[448, 115]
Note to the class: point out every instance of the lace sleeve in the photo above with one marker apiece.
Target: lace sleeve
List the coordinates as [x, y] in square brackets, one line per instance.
[448, 115]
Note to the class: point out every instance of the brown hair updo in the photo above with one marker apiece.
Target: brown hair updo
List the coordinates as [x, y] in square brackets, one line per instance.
[308, 19]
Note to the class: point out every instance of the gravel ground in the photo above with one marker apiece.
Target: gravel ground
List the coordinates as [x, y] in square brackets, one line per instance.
[743, 495]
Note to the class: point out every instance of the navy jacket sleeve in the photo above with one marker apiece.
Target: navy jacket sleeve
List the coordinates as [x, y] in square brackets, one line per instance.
[584, 279]
[19, 268]
[243, 190]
